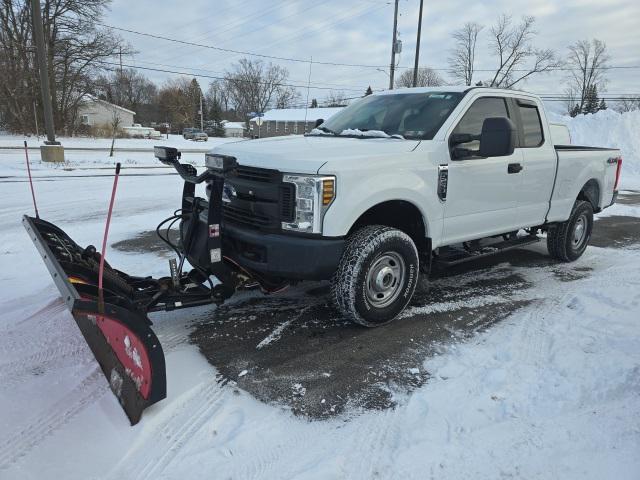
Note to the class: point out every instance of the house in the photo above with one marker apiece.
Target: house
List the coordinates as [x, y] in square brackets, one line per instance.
[289, 121]
[96, 113]
[233, 129]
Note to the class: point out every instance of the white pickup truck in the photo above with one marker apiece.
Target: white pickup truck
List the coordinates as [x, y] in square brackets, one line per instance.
[370, 199]
[401, 179]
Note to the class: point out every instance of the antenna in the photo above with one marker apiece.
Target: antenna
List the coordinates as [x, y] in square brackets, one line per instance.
[33, 195]
[106, 234]
[306, 107]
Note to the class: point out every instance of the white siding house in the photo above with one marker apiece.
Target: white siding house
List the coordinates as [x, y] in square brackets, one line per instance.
[233, 129]
[97, 113]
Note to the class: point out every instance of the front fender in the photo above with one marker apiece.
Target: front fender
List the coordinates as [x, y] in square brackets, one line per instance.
[357, 193]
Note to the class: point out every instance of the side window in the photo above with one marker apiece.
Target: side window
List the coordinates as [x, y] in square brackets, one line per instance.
[531, 125]
[471, 122]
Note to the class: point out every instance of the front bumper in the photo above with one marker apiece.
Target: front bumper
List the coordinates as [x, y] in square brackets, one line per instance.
[290, 257]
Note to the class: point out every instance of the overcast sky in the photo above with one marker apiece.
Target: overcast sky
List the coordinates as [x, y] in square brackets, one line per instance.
[359, 31]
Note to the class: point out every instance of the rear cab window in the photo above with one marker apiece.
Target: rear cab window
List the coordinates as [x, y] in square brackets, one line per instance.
[531, 124]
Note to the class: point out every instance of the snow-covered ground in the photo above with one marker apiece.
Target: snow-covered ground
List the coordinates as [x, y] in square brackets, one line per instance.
[552, 391]
[83, 153]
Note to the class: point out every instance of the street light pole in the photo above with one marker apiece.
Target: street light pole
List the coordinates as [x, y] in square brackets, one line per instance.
[44, 76]
[415, 65]
[393, 45]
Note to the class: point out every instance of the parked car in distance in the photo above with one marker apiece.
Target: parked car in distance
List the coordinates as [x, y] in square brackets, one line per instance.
[187, 133]
[199, 136]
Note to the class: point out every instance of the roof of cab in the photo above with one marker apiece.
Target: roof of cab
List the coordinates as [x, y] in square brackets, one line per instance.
[449, 88]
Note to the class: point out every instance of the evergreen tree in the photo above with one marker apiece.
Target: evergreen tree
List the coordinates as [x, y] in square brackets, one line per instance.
[591, 102]
[195, 93]
[369, 91]
[314, 103]
[575, 110]
[603, 105]
[214, 124]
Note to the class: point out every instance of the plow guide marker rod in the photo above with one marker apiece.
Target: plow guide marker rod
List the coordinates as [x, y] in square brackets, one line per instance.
[33, 195]
[106, 234]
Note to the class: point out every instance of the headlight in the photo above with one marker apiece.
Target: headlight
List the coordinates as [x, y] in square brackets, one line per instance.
[314, 195]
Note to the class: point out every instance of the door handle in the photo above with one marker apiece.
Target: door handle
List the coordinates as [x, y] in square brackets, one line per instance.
[514, 168]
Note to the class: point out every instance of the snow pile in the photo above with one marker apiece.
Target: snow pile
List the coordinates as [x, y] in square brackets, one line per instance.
[609, 128]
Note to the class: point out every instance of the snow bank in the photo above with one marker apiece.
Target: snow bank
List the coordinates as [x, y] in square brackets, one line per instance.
[608, 128]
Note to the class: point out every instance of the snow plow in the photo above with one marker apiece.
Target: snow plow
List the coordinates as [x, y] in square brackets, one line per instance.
[111, 306]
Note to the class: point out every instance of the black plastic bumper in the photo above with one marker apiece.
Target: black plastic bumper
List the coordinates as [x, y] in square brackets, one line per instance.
[280, 255]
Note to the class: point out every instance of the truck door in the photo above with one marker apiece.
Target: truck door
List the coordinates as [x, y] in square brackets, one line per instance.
[539, 164]
[482, 193]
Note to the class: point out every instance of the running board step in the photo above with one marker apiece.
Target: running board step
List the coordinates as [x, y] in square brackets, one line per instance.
[460, 256]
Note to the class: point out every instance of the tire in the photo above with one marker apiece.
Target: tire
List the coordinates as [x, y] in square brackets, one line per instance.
[568, 240]
[377, 275]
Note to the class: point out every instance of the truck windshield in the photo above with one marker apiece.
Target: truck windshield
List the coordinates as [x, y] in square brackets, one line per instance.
[414, 116]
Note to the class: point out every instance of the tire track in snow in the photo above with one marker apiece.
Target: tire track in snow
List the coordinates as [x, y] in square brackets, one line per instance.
[20, 442]
[264, 457]
[91, 389]
[172, 436]
[55, 357]
[373, 446]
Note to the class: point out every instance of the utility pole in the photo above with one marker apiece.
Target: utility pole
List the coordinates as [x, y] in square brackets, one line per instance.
[201, 114]
[393, 46]
[415, 65]
[120, 62]
[44, 76]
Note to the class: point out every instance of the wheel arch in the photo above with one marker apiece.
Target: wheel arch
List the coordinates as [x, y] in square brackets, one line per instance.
[590, 192]
[401, 214]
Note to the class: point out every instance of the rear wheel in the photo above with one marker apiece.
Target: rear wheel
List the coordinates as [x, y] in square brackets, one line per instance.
[377, 275]
[568, 240]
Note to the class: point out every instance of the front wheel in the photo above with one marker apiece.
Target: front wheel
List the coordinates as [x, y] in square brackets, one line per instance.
[568, 240]
[377, 275]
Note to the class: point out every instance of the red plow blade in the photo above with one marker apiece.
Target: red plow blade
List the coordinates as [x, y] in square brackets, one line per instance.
[115, 327]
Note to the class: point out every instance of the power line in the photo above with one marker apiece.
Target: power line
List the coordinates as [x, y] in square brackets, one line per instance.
[337, 64]
[216, 77]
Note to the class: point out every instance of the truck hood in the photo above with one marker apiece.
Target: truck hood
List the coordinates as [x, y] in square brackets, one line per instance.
[299, 154]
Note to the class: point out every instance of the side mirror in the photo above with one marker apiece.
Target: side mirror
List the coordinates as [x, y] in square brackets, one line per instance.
[458, 138]
[167, 155]
[498, 137]
[319, 122]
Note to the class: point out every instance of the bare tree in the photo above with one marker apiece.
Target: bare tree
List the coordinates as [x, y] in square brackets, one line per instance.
[286, 97]
[126, 88]
[628, 104]
[76, 51]
[217, 93]
[252, 86]
[115, 126]
[512, 45]
[335, 99]
[176, 102]
[427, 77]
[588, 61]
[463, 56]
